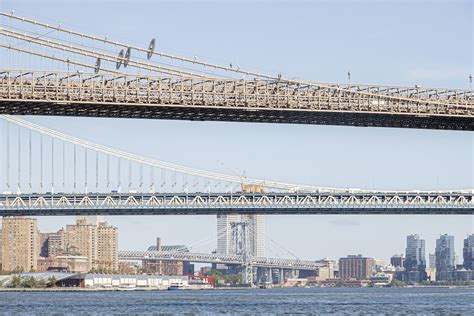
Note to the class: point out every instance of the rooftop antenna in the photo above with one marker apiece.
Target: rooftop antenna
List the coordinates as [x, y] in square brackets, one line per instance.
[349, 76]
[470, 81]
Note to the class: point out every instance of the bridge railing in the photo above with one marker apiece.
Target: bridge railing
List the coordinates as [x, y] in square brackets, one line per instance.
[182, 91]
[201, 203]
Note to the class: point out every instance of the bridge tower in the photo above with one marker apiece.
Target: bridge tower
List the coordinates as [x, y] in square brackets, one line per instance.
[241, 246]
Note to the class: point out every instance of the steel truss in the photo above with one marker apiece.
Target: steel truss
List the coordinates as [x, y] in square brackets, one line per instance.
[213, 203]
[263, 262]
[255, 100]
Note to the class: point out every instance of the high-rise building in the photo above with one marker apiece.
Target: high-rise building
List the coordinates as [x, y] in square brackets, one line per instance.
[92, 219]
[99, 243]
[83, 237]
[20, 243]
[107, 247]
[397, 260]
[256, 233]
[415, 259]
[445, 262]
[356, 267]
[56, 242]
[46, 241]
[432, 261]
[468, 252]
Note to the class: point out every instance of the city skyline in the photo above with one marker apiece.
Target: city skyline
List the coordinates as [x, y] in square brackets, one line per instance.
[391, 251]
[97, 242]
[337, 156]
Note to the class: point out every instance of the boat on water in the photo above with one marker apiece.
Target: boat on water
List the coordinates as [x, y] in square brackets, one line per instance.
[127, 287]
[266, 285]
[176, 286]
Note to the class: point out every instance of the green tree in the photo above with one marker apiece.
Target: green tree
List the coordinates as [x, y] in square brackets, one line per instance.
[52, 281]
[217, 275]
[233, 279]
[29, 282]
[396, 283]
[16, 281]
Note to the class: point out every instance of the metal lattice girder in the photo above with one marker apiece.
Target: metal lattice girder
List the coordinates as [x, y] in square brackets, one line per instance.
[461, 202]
[224, 259]
[256, 100]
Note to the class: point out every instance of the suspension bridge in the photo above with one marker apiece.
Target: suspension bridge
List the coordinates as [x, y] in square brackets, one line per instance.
[46, 172]
[245, 255]
[54, 70]
[85, 79]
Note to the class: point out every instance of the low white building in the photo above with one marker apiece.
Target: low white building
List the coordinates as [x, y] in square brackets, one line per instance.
[133, 281]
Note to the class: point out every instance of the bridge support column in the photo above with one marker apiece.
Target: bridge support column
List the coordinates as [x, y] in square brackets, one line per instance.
[269, 276]
[282, 276]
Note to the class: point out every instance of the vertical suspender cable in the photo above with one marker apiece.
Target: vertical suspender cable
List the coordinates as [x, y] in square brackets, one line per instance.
[64, 166]
[85, 169]
[141, 176]
[119, 183]
[163, 177]
[97, 170]
[52, 164]
[129, 174]
[7, 171]
[108, 171]
[19, 158]
[74, 185]
[30, 159]
[41, 162]
[152, 178]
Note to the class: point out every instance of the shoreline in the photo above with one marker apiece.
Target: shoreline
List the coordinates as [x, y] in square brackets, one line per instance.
[80, 289]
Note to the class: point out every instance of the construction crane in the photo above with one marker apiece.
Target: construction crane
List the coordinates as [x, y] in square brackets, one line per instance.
[245, 187]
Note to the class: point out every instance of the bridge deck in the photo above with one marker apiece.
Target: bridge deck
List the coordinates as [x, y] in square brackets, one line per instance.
[129, 96]
[226, 203]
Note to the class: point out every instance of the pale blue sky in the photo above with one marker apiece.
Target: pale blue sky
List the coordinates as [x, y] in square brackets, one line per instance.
[385, 42]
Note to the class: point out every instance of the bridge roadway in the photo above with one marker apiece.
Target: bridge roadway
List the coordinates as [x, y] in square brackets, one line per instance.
[348, 202]
[251, 100]
[262, 262]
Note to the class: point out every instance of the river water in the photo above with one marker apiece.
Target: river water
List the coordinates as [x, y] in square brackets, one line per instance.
[250, 301]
